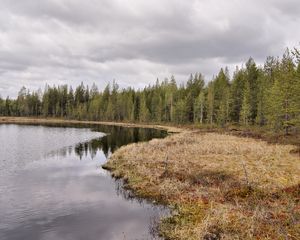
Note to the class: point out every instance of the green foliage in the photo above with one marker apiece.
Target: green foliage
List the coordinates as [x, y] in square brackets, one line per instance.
[266, 96]
[252, 78]
[284, 102]
[245, 114]
[181, 114]
[221, 97]
[236, 95]
[144, 111]
[210, 103]
[199, 108]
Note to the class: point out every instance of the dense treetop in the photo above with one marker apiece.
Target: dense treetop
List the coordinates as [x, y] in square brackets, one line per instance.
[266, 96]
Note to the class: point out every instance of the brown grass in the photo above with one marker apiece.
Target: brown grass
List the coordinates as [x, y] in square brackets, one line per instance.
[219, 186]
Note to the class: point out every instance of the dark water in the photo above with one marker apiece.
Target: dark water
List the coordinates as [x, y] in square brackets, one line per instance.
[52, 185]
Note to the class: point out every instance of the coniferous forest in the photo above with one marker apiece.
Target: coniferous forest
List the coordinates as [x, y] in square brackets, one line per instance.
[267, 95]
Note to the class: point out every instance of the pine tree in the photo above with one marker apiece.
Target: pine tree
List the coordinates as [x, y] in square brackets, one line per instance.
[289, 91]
[2, 106]
[221, 97]
[156, 106]
[7, 111]
[199, 108]
[262, 99]
[210, 103]
[109, 114]
[251, 77]
[236, 95]
[296, 94]
[274, 106]
[223, 112]
[181, 114]
[193, 88]
[144, 115]
[70, 103]
[246, 105]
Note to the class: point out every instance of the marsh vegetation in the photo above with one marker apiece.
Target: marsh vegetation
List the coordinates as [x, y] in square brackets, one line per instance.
[219, 186]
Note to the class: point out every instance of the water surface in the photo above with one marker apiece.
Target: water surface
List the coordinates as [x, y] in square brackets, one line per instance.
[52, 185]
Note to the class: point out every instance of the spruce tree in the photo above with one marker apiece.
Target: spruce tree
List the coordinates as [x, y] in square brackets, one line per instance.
[144, 115]
[210, 103]
[199, 108]
[245, 114]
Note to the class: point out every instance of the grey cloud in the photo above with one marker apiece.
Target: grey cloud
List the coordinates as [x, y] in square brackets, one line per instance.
[289, 8]
[135, 41]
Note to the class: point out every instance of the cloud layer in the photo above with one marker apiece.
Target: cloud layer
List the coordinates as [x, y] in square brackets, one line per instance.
[136, 41]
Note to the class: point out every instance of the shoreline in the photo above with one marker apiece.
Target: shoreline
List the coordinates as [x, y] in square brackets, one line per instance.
[253, 133]
[32, 120]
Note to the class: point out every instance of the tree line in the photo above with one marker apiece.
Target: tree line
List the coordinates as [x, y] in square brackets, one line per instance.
[267, 95]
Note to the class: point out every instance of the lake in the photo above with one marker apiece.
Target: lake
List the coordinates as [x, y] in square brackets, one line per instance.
[52, 185]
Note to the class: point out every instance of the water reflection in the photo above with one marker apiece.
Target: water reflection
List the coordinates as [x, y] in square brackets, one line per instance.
[114, 138]
[62, 192]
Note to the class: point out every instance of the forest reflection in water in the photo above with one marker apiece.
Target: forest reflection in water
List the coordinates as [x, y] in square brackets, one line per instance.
[115, 137]
[52, 185]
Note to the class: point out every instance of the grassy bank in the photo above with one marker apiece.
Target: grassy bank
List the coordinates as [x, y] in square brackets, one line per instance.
[263, 133]
[220, 186]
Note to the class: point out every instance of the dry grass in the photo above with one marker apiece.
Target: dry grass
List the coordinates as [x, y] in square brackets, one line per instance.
[220, 186]
[51, 120]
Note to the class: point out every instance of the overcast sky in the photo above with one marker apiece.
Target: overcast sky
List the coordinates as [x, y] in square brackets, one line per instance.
[136, 41]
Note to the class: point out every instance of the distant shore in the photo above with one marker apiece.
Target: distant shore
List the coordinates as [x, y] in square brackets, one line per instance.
[32, 120]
